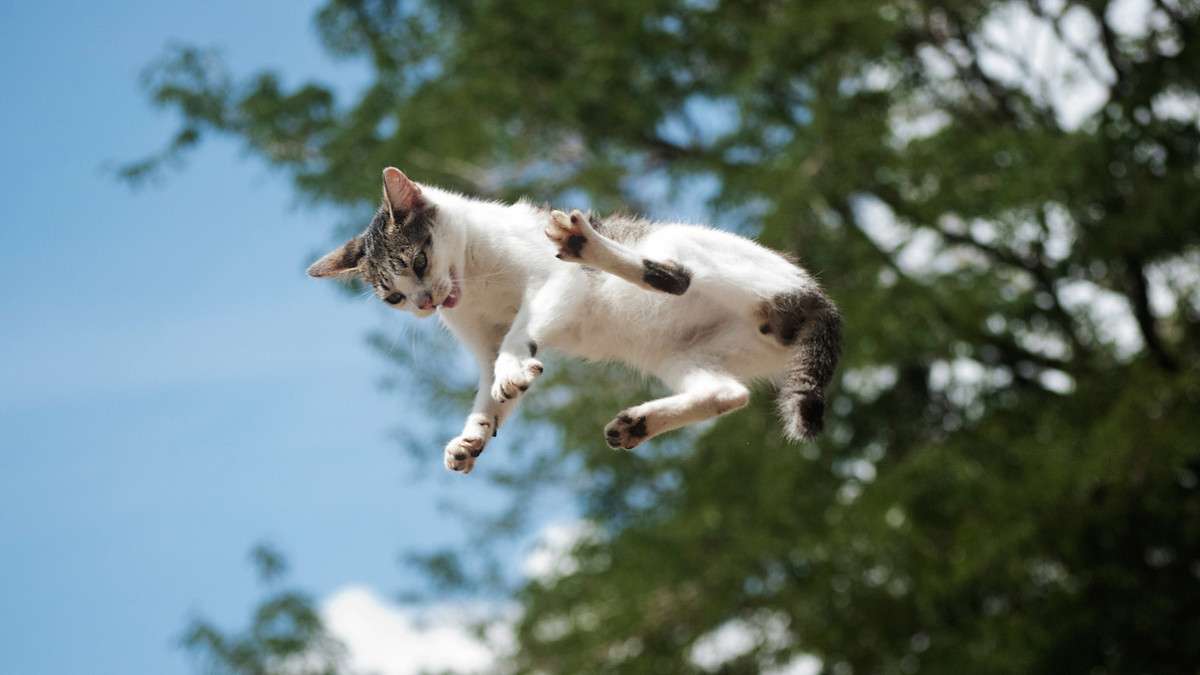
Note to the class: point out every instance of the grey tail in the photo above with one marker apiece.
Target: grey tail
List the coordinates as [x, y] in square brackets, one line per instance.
[817, 347]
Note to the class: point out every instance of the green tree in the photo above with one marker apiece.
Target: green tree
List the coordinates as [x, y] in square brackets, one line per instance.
[285, 635]
[1010, 479]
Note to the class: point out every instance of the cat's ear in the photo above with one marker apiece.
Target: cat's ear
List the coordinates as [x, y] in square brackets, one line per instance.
[400, 193]
[344, 259]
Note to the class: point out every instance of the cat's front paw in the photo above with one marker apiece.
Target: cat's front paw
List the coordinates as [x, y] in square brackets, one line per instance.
[513, 377]
[572, 234]
[461, 452]
[626, 431]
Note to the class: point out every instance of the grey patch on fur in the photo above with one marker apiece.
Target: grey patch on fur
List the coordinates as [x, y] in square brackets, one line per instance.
[807, 321]
[667, 276]
[697, 334]
[621, 228]
[353, 253]
[393, 238]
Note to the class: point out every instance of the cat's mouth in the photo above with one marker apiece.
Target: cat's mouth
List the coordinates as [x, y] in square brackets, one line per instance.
[455, 293]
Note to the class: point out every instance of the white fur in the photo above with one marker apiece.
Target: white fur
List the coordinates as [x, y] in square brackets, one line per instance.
[704, 344]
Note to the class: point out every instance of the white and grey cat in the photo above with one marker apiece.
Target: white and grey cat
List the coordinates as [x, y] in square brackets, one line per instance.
[704, 311]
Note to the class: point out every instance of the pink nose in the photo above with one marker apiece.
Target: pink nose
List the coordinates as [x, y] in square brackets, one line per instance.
[425, 301]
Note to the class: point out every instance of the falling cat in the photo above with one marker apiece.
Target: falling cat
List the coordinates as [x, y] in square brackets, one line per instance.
[703, 310]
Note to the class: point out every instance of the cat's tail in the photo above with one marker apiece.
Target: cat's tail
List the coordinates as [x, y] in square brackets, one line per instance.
[816, 327]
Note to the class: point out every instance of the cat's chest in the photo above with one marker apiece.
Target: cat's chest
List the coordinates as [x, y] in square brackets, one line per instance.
[485, 306]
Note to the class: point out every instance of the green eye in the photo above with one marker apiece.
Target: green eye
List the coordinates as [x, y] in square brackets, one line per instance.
[418, 264]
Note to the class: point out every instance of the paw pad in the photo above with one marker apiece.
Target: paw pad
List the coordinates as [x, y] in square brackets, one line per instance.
[626, 431]
[570, 233]
[514, 380]
[461, 452]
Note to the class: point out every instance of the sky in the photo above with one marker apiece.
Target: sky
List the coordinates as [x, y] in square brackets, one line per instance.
[173, 388]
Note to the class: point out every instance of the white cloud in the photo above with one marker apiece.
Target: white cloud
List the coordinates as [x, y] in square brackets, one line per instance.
[1131, 17]
[388, 639]
[550, 556]
[385, 638]
[1063, 66]
[1066, 68]
[736, 637]
[1108, 310]
[728, 641]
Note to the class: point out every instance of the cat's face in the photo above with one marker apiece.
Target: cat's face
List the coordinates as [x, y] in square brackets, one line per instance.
[404, 254]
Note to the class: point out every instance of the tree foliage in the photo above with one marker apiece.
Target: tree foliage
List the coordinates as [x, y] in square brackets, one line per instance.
[1010, 480]
[286, 634]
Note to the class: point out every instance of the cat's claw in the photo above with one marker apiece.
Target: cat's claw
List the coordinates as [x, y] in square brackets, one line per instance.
[462, 451]
[514, 378]
[627, 431]
[572, 234]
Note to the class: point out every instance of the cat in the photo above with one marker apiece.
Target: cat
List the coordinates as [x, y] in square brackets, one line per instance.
[703, 310]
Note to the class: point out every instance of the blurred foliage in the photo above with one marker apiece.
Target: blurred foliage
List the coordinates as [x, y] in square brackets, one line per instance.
[1010, 481]
[286, 634]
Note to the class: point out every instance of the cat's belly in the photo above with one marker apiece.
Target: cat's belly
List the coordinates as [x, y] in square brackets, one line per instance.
[659, 333]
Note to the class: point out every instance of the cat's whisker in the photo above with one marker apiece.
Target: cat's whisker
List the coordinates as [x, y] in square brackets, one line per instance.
[364, 294]
[412, 339]
[392, 343]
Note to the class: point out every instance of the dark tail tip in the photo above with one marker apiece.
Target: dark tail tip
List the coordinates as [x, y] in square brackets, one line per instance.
[816, 353]
[803, 414]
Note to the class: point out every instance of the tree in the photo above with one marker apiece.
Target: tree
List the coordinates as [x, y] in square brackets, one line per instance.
[1010, 479]
[286, 634]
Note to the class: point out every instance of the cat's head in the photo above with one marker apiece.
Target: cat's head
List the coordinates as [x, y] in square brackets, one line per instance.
[407, 254]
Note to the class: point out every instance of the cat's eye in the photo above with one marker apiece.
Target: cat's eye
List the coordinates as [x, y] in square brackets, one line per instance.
[394, 299]
[418, 264]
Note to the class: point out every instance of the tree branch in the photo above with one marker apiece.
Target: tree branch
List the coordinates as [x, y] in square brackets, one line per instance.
[1011, 353]
[1041, 274]
[1139, 295]
[666, 150]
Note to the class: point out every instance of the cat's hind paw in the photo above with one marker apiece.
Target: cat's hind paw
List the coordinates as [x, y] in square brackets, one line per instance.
[461, 453]
[572, 234]
[513, 377]
[627, 431]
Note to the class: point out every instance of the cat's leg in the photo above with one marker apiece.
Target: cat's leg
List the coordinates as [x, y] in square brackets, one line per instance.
[506, 368]
[579, 242]
[479, 428]
[739, 275]
[702, 394]
[487, 414]
[515, 367]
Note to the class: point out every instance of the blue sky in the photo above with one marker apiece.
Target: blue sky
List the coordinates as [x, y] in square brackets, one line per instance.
[173, 389]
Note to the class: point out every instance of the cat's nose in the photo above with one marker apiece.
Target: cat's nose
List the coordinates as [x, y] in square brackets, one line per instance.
[425, 301]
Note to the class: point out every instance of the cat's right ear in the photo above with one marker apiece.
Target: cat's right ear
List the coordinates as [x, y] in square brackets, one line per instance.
[344, 259]
[400, 193]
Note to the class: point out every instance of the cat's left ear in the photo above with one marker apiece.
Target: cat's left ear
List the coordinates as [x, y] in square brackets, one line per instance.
[400, 193]
[344, 259]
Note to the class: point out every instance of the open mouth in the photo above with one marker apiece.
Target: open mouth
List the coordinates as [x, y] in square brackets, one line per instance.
[455, 292]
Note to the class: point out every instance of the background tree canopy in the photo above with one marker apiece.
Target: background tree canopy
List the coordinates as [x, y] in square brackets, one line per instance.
[1003, 198]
